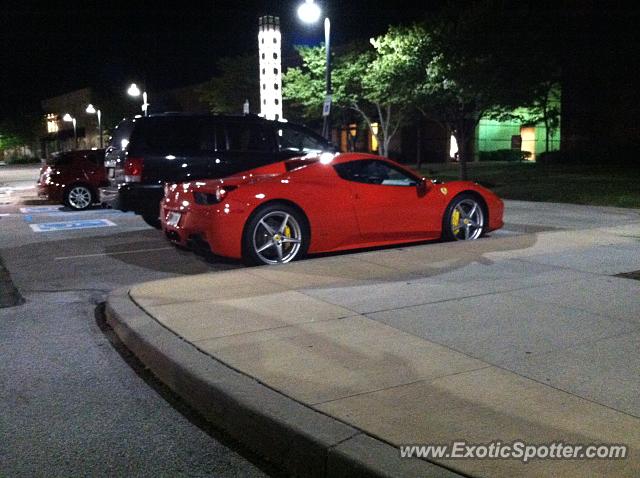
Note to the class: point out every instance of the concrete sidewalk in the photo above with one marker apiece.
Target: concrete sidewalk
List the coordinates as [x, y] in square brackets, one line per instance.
[327, 365]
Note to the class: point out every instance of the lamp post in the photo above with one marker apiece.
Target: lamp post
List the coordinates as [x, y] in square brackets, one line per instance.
[93, 111]
[135, 91]
[70, 119]
[310, 12]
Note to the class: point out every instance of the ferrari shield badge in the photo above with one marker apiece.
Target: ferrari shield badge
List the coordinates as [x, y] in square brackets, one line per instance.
[444, 191]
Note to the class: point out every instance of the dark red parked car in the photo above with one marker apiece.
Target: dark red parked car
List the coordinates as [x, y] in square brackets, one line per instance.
[73, 178]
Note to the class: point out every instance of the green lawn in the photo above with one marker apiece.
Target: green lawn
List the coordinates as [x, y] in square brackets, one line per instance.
[580, 184]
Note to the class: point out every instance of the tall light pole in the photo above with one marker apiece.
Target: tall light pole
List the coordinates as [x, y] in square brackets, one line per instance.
[70, 119]
[93, 111]
[310, 12]
[135, 91]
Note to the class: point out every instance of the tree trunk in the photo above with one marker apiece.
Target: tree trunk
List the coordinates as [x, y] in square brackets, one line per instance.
[462, 154]
[546, 136]
[419, 146]
[545, 112]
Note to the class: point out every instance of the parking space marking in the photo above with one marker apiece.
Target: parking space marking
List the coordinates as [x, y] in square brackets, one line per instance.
[64, 258]
[40, 209]
[71, 225]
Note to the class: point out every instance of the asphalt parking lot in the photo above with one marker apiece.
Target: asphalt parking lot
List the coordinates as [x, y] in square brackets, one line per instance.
[73, 398]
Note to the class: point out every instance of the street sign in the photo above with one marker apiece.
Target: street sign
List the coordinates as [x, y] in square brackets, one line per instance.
[71, 225]
[326, 108]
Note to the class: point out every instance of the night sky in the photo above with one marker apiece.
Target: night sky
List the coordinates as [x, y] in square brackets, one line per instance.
[56, 47]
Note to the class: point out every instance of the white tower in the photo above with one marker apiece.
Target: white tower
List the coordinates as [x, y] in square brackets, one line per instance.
[270, 44]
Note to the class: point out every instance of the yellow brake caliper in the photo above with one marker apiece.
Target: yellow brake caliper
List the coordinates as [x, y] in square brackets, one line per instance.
[287, 231]
[455, 219]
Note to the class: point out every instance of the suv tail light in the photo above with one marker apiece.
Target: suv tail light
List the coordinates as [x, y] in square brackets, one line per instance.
[133, 170]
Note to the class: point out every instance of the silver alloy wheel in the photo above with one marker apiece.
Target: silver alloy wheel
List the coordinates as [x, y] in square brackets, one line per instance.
[79, 197]
[470, 223]
[277, 237]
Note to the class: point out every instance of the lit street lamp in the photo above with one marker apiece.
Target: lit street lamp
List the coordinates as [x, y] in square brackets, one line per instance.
[70, 119]
[310, 12]
[93, 111]
[135, 91]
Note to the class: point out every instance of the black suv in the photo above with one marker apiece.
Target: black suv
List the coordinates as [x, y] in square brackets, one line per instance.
[146, 152]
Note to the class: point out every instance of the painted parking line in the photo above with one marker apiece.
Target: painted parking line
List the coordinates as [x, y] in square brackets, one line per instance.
[135, 251]
[70, 225]
[40, 209]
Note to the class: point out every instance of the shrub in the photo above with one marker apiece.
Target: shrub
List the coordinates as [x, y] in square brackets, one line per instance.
[22, 160]
[504, 155]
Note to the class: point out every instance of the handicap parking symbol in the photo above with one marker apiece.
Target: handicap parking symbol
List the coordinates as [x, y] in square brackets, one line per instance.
[70, 225]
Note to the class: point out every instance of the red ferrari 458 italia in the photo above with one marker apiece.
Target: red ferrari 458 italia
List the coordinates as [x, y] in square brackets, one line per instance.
[324, 203]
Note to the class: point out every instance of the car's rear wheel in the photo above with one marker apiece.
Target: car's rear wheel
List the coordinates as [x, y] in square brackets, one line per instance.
[152, 219]
[79, 197]
[275, 234]
[464, 219]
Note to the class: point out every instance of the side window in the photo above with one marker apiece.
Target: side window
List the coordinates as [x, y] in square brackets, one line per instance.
[374, 172]
[179, 136]
[298, 141]
[249, 137]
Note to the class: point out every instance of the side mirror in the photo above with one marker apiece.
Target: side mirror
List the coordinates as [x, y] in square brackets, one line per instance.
[422, 187]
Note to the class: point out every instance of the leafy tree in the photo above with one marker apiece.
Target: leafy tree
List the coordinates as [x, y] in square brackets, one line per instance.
[19, 131]
[303, 87]
[358, 78]
[546, 108]
[473, 62]
[238, 81]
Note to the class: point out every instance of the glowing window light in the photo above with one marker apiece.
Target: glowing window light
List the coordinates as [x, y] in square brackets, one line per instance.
[453, 147]
[270, 52]
[53, 125]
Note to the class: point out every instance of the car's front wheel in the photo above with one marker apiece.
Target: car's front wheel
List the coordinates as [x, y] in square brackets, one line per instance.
[275, 234]
[79, 197]
[464, 219]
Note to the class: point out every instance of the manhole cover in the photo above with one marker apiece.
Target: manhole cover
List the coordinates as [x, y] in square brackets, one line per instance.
[630, 275]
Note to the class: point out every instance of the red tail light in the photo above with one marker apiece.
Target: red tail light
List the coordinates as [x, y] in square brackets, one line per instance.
[133, 170]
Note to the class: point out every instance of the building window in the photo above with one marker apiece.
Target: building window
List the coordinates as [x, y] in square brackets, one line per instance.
[53, 125]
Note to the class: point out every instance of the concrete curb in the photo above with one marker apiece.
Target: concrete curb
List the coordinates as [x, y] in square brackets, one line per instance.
[9, 295]
[294, 437]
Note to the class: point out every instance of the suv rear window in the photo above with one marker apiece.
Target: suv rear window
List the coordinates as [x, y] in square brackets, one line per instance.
[298, 140]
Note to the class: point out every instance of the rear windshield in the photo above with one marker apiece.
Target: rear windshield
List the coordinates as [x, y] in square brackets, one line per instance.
[121, 135]
[59, 160]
